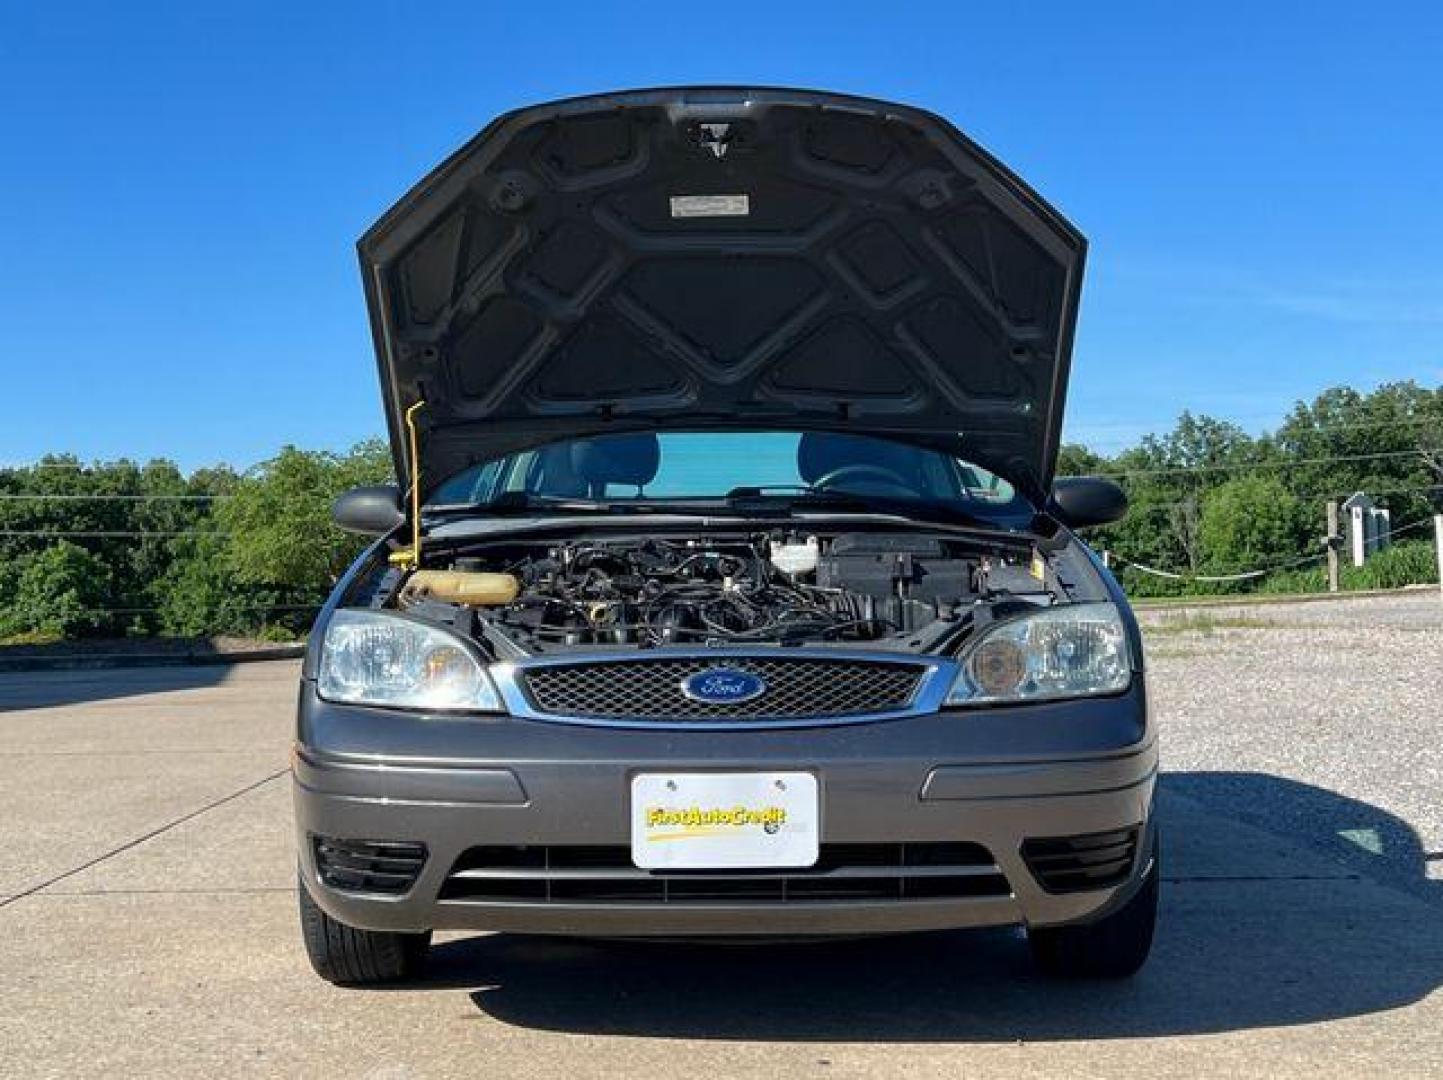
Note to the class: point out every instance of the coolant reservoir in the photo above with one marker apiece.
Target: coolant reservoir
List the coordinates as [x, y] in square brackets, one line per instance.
[793, 557]
[461, 587]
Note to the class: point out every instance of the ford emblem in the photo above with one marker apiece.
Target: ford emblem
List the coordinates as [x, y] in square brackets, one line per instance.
[723, 686]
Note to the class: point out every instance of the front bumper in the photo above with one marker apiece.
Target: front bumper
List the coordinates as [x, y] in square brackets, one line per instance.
[994, 777]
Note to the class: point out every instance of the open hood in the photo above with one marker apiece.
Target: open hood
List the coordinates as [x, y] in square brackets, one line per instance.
[724, 258]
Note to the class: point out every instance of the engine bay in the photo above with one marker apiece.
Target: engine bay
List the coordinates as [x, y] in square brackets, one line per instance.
[890, 590]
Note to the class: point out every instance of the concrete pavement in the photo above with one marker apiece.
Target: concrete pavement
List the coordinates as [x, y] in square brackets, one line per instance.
[147, 928]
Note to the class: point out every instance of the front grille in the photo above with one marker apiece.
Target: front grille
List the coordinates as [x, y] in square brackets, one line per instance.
[1066, 864]
[797, 688]
[374, 866]
[561, 874]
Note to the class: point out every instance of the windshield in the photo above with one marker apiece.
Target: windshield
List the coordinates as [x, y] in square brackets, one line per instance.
[684, 466]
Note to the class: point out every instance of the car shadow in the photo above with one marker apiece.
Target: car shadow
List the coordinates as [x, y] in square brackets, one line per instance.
[40, 689]
[1282, 904]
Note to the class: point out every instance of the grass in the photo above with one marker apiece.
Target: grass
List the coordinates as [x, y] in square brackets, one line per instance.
[31, 637]
[1205, 622]
[1408, 562]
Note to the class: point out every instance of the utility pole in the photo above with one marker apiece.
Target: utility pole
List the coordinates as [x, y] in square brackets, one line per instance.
[1333, 540]
[1438, 539]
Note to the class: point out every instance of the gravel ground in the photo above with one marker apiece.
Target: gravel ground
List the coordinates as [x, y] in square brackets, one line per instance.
[1345, 696]
[150, 926]
[1416, 607]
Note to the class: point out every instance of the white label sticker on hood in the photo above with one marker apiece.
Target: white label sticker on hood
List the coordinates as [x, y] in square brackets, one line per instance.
[710, 206]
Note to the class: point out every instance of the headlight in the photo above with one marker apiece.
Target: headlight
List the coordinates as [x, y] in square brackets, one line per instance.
[1072, 650]
[372, 658]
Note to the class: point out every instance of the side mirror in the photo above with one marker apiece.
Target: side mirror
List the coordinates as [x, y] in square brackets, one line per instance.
[373, 511]
[1080, 501]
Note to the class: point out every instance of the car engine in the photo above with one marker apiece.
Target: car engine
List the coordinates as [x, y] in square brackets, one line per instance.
[897, 590]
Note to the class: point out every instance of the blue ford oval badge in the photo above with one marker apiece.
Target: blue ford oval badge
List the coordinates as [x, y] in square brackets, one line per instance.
[723, 686]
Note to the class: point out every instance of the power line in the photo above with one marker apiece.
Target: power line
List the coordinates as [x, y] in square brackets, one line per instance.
[1248, 575]
[149, 465]
[19, 465]
[1288, 464]
[1324, 429]
[1411, 525]
[1245, 575]
[1362, 425]
[114, 534]
[1376, 491]
[1149, 507]
[69, 497]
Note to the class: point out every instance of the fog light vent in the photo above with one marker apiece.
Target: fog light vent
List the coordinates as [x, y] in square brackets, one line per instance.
[1064, 864]
[373, 866]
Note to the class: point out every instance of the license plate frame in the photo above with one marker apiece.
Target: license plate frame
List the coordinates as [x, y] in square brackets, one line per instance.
[743, 820]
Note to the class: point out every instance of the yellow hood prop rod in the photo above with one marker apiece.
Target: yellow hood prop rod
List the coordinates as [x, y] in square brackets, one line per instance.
[411, 557]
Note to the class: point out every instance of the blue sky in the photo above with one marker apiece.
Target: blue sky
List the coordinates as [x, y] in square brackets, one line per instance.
[181, 188]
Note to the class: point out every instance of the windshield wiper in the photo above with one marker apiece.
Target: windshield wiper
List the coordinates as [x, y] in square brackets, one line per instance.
[927, 511]
[515, 502]
[520, 502]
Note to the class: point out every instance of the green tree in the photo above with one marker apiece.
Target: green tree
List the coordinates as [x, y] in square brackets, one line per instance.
[1167, 478]
[278, 520]
[59, 590]
[1388, 443]
[1074, 459]
[1250, 523]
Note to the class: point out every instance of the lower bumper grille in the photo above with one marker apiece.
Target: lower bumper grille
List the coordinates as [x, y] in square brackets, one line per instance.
[373, 866]
[1077, 863]
[561, 874]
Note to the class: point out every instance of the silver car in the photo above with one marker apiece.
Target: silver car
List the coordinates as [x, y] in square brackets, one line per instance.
[727, 591]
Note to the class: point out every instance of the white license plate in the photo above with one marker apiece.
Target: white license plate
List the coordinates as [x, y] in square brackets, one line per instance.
[717, 821]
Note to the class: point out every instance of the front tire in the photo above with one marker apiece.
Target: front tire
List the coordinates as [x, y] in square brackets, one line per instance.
[347, 956]
[1113, 947]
